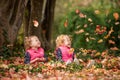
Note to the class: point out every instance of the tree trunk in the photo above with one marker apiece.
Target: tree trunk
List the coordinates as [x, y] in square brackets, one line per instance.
[33, 12]
[11, 13]
[26, 18]
[47, 22]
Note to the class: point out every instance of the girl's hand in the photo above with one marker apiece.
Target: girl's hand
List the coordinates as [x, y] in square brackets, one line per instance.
[42, 59]
[38, 60]
[35, 60]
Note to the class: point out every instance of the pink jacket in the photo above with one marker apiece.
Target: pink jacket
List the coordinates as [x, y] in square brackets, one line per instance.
[66, 54]
[36, 53]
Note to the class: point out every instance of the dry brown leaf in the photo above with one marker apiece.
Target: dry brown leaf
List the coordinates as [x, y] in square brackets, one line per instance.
[35, 22]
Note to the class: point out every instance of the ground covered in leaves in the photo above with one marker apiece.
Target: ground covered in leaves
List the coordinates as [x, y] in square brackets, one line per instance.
[92, 69]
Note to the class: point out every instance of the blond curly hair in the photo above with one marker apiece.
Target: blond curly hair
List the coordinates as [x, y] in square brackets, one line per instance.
[27, 41]
[61, 38]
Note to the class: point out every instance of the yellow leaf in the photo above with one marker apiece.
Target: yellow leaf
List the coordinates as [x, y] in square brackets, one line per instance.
[97, 54]
[97, 12]
[100, 41]
[116, 15]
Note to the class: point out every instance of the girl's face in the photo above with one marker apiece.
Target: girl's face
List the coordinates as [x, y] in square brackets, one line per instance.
[35, 42]
[67, 41]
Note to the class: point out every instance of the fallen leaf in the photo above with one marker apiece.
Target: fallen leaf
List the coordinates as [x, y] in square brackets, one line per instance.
[35, 22]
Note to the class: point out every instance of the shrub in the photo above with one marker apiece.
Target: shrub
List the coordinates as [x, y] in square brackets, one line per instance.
[92, 29]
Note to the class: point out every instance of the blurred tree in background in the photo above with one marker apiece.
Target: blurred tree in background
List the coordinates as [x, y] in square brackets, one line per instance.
[11, 14]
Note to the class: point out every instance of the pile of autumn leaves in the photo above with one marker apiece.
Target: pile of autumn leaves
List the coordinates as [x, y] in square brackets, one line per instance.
[15, 69]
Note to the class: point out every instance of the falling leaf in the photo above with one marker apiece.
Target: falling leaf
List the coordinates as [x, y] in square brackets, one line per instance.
[85, 26]
[100, 41]
[78, 26]
[89, 19]
[97, 28]
[92, 38]
[66, 23]
[97, 12]
[82, 15]
[114, 48]
[86, 34]
[109, 33]
[116, 15]
[116, 23]
[35, 23]
[109, 20]
[10, 45]
[84, 51]
[100, 30]
[77, 11]
[80, 31]
[97, 54]
[80, 60]
[111, 42]
[87, 39]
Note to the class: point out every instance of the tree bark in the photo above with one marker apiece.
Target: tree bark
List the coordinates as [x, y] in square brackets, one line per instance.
[26, 18]
[47, 22]
[33, 12]
[11, 14]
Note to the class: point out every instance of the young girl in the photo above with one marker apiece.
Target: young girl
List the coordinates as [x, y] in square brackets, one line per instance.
[34, 52]
[64, 52]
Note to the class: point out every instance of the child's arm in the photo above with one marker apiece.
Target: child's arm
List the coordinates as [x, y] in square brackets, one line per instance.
[27, 58]
[38, 60]
[46, 58]
[42, 59]
[34, 60]
[59, 54]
